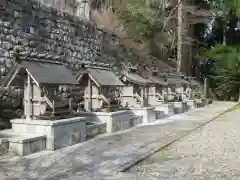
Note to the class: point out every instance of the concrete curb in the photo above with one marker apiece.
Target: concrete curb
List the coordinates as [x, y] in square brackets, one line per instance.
[137, 160]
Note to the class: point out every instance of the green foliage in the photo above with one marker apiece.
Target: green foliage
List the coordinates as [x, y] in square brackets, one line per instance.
[223, 7]
[140, 19]
[226, 69]
[238, 12]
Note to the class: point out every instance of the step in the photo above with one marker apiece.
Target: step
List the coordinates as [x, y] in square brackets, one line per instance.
[27, 144]
[4, 145]
[95, 128]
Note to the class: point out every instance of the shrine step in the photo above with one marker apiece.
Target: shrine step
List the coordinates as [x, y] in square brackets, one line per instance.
[95, 128]
[27, 144]
[4, 145]
[21, 144]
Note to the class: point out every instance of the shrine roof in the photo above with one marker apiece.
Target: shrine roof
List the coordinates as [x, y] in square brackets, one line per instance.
[135, 78]
[153, 76]
[49, 72]
[174, 78]
[158, 80]
[193, 82]
[102, 76]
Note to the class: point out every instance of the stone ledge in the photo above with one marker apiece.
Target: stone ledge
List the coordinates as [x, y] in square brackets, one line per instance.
[142, 108]
[48, 122]
[103, 113]
[25, 145]
[25, 139]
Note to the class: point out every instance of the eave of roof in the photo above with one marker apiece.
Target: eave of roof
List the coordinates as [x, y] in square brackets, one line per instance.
[102, 77]
[135, 78]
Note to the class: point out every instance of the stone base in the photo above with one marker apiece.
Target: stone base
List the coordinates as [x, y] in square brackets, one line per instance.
[191, 104]
[93, 129]
[148, 113]
[180, 107]
[59, 133]
[4, 146]
[164, 110]
[25, 145]
[200, 102]
[115, 121]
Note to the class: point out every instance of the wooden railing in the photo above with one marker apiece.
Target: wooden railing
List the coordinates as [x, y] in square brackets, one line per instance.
[51, 104]
[159, 95]
[104, 98]
[139, 98]
[11, 73]
[186, 94]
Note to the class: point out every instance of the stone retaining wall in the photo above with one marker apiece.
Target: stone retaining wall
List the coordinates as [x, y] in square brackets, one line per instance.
[28, 26]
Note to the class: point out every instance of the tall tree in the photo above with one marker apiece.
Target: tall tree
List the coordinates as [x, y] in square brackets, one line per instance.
[189, 14]
[223, 10]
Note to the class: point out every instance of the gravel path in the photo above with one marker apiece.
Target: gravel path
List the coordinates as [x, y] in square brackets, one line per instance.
[212, 152]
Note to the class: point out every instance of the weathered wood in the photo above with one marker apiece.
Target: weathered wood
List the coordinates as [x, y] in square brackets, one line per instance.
[89, 108]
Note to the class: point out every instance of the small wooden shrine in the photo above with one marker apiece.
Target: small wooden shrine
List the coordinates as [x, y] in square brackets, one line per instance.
[157, 92]
[101, 88]
[193, 87]
[135, 90]
[177, 86]
[40, 76]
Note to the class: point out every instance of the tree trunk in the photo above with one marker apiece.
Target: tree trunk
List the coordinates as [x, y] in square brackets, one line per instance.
[183, 46]
[225, 32]
[239, 95]
[180, 36]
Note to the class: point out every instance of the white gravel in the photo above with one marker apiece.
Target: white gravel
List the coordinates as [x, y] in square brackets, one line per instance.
[212, 152]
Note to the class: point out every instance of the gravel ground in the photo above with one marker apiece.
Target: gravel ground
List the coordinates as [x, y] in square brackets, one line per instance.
[212, 152]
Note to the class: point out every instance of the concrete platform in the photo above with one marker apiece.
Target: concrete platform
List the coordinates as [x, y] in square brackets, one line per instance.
[115, 121]
[180, 107]
[94, 129]
[191, 104]
[4, 146]
[147, 113]
[164, 110]
[59, 133]
[22, 144]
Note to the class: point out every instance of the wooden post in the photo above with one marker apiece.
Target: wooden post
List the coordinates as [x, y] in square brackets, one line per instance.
[164, 95]
[142, 96]
[146, 95]
[28, 98]
[53, 109]
[190, 93]
[89, 108]
[70, 104]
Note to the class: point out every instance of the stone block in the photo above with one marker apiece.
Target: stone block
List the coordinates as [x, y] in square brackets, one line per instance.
[59, 133]
[147, 113]
[191, 104]
[25, 145]
[4, 146]
[95, 129]
[115, 121]
[179, 107]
